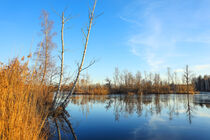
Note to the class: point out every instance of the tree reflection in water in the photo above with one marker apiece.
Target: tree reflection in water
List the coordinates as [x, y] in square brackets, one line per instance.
[145, 114]
[153, 104]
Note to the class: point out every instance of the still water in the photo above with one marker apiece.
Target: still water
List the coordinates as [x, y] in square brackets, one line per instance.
[142, 117]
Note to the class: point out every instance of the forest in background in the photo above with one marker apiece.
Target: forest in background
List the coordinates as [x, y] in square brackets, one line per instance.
[126, 82]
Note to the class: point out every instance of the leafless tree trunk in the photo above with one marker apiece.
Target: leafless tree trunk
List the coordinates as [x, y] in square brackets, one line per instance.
[187, 77]
[62, 54]
[169, 75]
[169, 79]
[91, 17]
[62, 58]
[175, 82]
[46, 48]
[60, 108]
[63, 21]
[116, 77]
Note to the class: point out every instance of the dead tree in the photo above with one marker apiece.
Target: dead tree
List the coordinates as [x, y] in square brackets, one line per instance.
[59, 110]
[169, 79]
[116, 77]
[91, 18]
[63, 21]
[175, 82]
[187, 74]
[62, 53]
[46, 46]
[169, 75]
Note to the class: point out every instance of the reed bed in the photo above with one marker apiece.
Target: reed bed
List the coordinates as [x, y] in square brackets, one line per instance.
[23, 109]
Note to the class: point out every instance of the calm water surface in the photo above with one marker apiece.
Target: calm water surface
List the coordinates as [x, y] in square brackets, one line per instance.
[142, 117]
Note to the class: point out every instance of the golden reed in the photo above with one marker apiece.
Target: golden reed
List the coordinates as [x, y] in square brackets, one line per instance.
[23, 111]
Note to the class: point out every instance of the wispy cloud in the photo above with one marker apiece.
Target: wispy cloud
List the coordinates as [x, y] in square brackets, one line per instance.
[202, 67]
[179, 70]
[164, 33]
[152, 45]
[130, 21]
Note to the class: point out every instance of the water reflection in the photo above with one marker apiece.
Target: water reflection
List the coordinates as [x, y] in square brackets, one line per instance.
[141, 116]
[126, 105]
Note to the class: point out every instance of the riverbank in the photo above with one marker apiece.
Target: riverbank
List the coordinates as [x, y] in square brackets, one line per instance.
[136, 89]
[133, 93]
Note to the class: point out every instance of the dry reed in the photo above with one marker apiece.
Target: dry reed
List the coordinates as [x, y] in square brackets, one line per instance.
[22, 109]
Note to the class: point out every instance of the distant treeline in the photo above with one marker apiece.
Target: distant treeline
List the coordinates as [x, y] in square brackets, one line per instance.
[202, 83]
[125, 82]
[128, 83]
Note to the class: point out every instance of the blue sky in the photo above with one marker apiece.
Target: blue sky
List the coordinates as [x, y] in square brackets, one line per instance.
[144, 35]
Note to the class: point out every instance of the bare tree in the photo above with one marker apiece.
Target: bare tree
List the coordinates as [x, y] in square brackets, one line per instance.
[116, 77]
[46, 46]
[138, 79]
[169, 75]
[91, 18]
[108, 83]
[58, 108]
[175, 81]
[63, 21]
[187, 77]
[62, 52]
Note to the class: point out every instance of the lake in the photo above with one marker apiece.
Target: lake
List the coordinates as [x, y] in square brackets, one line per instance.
[135, 117]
